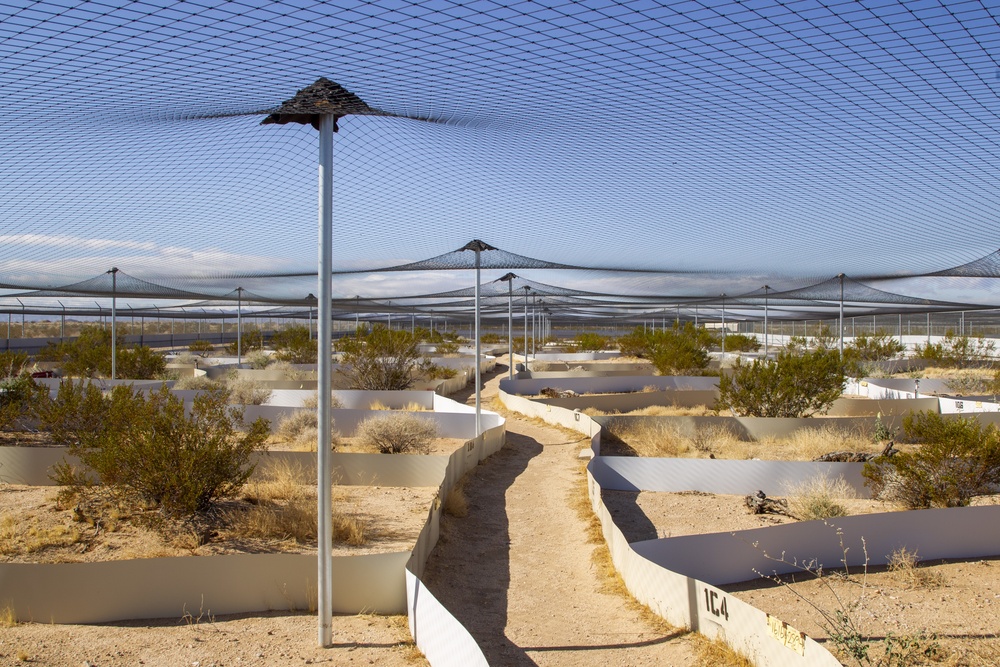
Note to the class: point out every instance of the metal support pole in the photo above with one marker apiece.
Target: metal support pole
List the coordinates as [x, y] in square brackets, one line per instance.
[239, 326]
[479, 409]
[510, 328]
[841, 276]
[526, 290]
[114, 304]
[324, 528]
[723, 329]
[766, 288]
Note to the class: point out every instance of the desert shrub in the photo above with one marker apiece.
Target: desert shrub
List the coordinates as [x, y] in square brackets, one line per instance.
[148, 450]
[200, 345]
[741, 343]
[880, 346]
[381, 359]
[14, 363]
[445, 348]
[789, 386]
[591, 342]
[492, 339]
[681, 350]
[258, 359]
[905, 564]
[294, 345]
[817, 498]
[245, 391]
[19, 395]
[197, 382]
[397, 433]
[958, 460]
[432, 371]
[251, 339]
[89, 355]
[300, 428]
[959, 352]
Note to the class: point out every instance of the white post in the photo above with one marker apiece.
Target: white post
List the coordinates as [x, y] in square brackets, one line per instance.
[114, 303]
[239, 325]
[324, 528]
[479, 413]
[766, 288]
[841, 276]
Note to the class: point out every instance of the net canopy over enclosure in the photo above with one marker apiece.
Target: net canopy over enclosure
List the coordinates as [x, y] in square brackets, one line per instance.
[635, 149]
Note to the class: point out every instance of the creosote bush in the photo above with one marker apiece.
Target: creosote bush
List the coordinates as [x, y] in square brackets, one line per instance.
[295, 345]
[89, 355]
[148, 450]
[379, 359]
[957, 460]
[397, 433]
[792, 385]
[682, 350]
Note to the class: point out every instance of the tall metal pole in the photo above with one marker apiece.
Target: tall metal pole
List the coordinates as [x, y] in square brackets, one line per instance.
[239, 326]
[114, 304]
[324, 528]
[526, 290]
[841, 276]
[723, 328]
[479, 409]
[766, 288]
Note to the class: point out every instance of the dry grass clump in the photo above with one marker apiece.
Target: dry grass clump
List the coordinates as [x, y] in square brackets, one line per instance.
[675, 411]
[816, 498]
[412, 406]
[300, 430]
[244, 391]
[18, 536]
[8, 619]
[283, 507]
[808, 443]
[717, 653]
[196, 382]
[456, 504]
[905, 565]
[670, 439]
[397, 433]
[312, 402]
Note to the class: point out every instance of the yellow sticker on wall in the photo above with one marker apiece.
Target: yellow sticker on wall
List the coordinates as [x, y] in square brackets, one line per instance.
[787, 635]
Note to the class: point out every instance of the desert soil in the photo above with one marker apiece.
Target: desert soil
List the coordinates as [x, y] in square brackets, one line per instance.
[518, 572]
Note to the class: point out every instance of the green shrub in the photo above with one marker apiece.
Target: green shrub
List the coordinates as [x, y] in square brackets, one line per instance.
[789, 386]
[492, 339]
[591, 342]
[741, 343]
[959, 352]
[89, 355]
[294, 345]
[397, 432]
[381, 359]
[682, 350]
[251, 339]
[18, 398]
[148, 450]
[200, 346]
[957, 460]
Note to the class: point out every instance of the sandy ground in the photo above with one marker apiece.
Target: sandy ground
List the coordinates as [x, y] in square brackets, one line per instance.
[519, 572]
[958, 602]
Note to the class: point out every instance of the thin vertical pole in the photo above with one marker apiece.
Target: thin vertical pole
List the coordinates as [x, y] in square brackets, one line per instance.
[114, 303]
[239, 325]
[928, 327]
[479, 413]
[526, 289]
[510, 328]
[766, 288]
[723, 329]
[841, 276]
[324, 533]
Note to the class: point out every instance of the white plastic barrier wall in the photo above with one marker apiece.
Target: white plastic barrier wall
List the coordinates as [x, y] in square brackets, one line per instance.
[724, 476]
[607, 385]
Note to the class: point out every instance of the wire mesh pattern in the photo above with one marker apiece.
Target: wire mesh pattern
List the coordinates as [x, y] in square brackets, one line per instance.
[715, 146]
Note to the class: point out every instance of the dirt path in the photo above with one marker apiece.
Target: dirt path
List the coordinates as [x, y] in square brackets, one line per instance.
[517, 571]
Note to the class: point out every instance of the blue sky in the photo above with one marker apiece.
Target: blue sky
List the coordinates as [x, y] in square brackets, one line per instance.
[756, 141]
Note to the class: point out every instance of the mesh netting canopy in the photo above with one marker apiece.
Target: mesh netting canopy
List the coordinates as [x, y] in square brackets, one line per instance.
[642, 149]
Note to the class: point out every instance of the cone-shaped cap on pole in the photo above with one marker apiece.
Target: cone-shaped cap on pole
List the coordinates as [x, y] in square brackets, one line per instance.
[323, 98]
